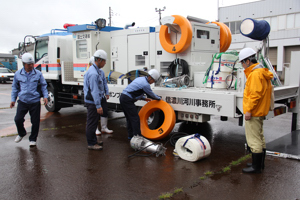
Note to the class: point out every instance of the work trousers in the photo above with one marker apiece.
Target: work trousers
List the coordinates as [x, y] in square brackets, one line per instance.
[34, 110]
[255, 134]
[131, 114]
[93, 119]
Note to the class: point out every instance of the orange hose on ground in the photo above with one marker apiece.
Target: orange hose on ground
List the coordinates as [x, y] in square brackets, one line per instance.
[185, 39]
[165, 128]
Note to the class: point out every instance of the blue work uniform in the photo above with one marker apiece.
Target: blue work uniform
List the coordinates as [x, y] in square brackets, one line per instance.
[25, 86]
[94, 97]
[106, 91]
[136, 90]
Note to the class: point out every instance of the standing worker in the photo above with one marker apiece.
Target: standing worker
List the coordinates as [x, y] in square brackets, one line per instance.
[25, 86]
[133, 92]
[94, 97]
[256, 105]
[103, 119]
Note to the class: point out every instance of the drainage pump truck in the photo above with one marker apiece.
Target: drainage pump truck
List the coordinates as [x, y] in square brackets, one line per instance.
[198, 77]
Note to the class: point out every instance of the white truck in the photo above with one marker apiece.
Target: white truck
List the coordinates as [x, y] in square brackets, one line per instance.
[181, 49]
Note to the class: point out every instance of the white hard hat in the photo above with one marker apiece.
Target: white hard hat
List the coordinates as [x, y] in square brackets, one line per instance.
[154, 74]
[27, 58]
[245, 53]
[100, 54]
[92, 60]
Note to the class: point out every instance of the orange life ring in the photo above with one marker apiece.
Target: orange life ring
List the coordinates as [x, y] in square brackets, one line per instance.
[229, 37]
[185, 39]
[225, 36]
[165, 128]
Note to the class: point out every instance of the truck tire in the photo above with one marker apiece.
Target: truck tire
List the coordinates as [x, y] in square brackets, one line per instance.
[155, 120]
[52, 105]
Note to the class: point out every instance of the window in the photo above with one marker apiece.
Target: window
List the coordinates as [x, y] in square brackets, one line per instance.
[297, 20]
[202, 34]
[5, 70]
[290, 20]
[41, 49]
[232, 27]
[268, 19]
[281, 22]
[237, 25]
[273, 24]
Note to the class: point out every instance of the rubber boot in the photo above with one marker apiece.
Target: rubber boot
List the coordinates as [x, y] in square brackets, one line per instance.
[263, 161]
[257, 159]
[104, 128]
[98, 132]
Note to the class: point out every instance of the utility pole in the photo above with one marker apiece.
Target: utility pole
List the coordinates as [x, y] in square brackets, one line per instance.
[109, 17]
[218, 8]
[159, 12]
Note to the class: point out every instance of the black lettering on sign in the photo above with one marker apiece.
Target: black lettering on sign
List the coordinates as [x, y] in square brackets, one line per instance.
[191, 102]
[174, 49]
[83, 36]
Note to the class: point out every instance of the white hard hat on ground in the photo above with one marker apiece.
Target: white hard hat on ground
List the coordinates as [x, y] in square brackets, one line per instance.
[154, 74]
[245, 53]
[27, 58]
[92, 60]
[100, 54]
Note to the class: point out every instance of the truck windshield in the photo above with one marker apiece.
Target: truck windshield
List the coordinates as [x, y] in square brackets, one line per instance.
[5, 70]
[41, 48]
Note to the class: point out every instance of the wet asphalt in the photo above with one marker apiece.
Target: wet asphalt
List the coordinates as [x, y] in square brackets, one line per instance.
[61, 166]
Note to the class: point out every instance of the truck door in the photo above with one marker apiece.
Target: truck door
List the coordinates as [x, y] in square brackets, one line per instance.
[138, 51]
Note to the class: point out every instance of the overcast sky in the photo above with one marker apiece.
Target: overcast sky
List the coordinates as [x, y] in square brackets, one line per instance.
[35, 17]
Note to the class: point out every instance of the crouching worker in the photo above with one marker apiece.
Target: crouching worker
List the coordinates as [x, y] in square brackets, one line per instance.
[25, 86]
[133, 92]
[256, 105]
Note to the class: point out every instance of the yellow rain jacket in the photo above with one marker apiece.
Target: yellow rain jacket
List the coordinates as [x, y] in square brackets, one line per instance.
[257, 93]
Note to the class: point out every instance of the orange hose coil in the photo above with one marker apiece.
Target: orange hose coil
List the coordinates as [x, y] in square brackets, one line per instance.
[185, 39]
[165, 128]
[225, 36]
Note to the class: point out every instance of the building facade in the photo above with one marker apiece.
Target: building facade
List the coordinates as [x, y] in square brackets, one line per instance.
[284, 19]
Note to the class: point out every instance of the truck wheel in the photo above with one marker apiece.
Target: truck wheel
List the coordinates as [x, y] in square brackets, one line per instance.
[52, 105]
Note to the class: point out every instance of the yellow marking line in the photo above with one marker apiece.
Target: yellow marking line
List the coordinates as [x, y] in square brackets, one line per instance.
[12, 130]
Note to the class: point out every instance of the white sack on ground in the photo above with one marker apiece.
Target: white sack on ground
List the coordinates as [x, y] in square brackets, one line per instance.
[193, 147]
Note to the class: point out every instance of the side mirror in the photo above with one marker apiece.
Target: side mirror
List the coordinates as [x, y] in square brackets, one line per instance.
[21, 45]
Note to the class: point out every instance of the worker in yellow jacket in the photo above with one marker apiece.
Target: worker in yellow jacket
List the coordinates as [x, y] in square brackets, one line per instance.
[256, 105]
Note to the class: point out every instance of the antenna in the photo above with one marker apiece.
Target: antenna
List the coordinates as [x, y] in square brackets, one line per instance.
[159, 12]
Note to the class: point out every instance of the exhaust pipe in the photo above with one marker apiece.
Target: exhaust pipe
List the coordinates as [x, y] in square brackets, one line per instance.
[129, 25]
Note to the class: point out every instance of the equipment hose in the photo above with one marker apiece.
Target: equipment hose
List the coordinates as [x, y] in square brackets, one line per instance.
[173, 65]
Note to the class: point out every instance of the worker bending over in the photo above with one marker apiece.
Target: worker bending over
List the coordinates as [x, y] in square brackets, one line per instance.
[136, 90]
